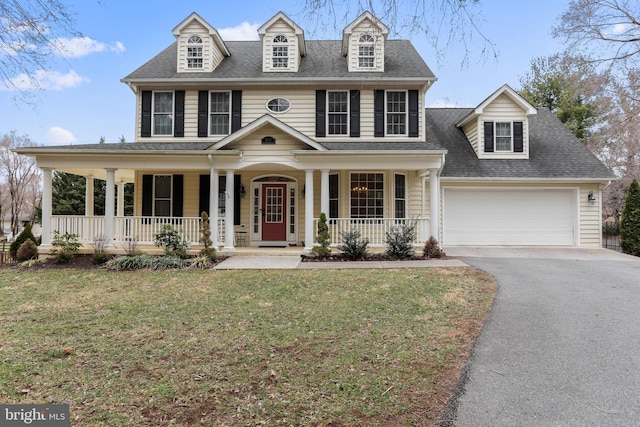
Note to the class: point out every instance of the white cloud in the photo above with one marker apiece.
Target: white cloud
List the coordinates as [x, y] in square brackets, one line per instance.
[77, 47]
[45, 80]
[244, 31]
[619, 28]
[58, 135]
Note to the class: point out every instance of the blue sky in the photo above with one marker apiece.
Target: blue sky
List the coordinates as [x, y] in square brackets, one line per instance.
[84, 98]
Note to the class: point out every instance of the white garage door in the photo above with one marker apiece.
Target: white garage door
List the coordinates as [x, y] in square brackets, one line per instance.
[509, 217]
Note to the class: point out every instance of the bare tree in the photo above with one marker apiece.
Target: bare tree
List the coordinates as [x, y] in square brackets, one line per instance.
[443, 22]
[27, 28]
[21, 175]
[605, 30]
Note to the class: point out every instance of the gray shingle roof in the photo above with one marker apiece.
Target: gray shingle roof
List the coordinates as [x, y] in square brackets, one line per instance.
[555, 153]
[324, 60]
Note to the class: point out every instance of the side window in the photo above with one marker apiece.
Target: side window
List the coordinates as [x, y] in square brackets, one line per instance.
[162, 113]
[400, 196]
[220, 113]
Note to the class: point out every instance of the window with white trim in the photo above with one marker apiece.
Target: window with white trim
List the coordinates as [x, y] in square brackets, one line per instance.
[278, 105]
[366, 51]
[367, 195]
[280, 52]
[396, 112]
[194, 52]
[400, 196]
[503, 136]
[219, 113]
[162, 113]
[337, 112]
[162, 195]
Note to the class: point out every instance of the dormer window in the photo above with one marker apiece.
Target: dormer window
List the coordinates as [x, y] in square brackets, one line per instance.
[503, 137]
[194, 52]
[366, 51]
[280, 52]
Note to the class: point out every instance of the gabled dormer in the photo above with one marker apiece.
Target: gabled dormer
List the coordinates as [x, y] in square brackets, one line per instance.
[282, 44]
[363, 43]
[498, 128]
[200, 47]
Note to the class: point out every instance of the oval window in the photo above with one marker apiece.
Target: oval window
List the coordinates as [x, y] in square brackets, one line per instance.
[278, 105]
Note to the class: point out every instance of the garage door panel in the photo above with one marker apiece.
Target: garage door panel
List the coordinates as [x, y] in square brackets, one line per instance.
[509, 217]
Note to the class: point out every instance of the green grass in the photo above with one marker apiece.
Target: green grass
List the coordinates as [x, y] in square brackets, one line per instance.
[322, 347]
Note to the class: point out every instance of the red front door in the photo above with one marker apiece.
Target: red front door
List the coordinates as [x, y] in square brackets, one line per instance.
[274, 224]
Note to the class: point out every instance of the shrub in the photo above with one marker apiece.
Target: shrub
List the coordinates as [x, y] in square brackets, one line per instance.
[201, 263]
[432, 249]
[28, 250]
[131, 246]
[25, 235]
[99, 258]
[630, 221]
[209, 253]
[64, 247]
[205, 238]
[399, 240]
[324, 239]
[171, 242]
[142, 261]
[353, 246]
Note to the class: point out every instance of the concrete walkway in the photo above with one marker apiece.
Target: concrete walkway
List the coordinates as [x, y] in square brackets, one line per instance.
[289, 262]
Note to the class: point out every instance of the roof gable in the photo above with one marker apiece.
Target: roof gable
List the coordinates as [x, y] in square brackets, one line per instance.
[213, 33]
[368, 19]
[506, 90]
[260, 123]
[281, 18]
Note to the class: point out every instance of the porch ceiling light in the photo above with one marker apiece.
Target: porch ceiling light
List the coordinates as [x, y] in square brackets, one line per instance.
[356, 188]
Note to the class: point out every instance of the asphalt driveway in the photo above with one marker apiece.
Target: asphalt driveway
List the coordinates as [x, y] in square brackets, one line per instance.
[561, 346]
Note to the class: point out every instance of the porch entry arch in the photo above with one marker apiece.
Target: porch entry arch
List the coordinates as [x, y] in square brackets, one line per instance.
[274, 210]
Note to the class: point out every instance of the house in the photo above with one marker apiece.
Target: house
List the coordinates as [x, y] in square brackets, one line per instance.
[265, 135]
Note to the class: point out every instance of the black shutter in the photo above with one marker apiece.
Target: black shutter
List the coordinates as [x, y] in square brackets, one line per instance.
[205, 189]
[378, 113]
[147, 195]
[145, 119]
[413, 113]
[321, 116]
[178, 126]
[488, 137]
[354, 114]
[237, 182]
[178, 194]
[518, 137]
[203, 112]
[236, 110]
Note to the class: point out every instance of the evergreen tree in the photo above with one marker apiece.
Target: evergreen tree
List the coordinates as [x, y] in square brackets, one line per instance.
[630, 221]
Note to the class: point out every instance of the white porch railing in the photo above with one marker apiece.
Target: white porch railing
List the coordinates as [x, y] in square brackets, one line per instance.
[130, 228]
[373, 229]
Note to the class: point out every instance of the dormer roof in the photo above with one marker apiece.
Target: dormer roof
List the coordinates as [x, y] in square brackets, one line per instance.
[215, 36]
[280, 16]
[528, 109]
[366, 16]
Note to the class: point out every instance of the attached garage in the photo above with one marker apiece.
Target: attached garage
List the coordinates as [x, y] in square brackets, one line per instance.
[510, 216]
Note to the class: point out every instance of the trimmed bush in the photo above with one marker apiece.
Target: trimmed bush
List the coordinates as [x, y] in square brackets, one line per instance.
[324, 239]
[28, 250]
[399, 240]
[143, 261]
[353, 246]
[432, 249]
[630, 221]
[99, 258]
[25, 235]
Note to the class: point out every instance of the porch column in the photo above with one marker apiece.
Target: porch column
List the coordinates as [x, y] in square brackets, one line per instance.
[88, 196]
[308, 211]
[109, 208]
[228, 216]
[324, 191]
[120, 204]
[434, 203]
[213, 206]
[47, 207]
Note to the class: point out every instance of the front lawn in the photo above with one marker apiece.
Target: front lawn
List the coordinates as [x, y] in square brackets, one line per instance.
[294, 347]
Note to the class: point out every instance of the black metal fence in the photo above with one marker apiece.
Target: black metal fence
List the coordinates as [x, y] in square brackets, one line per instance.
[611, 236]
